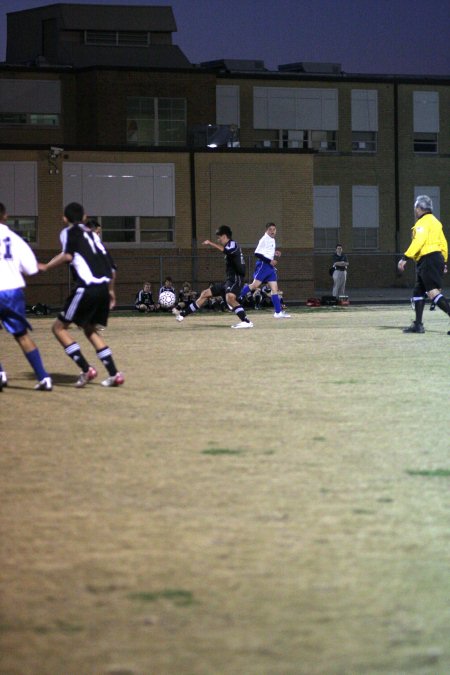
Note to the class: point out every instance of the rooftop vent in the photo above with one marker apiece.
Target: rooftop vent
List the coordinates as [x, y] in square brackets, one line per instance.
[312, 67]
[235, 65]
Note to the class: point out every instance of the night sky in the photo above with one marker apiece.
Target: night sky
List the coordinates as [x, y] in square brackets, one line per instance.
[404, 37]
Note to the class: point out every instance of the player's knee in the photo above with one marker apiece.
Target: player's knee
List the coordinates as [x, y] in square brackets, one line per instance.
[19, 336]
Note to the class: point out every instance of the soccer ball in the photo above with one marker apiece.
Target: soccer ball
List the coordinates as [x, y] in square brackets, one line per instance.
[167, 299]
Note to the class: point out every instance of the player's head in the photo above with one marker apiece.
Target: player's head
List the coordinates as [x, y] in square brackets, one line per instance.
[224, 231]
[3, 214]
[424, 203]
[74, 213]
[338, 249]
[94, 225]
[271, 229]
[146, 286]
[168, 282]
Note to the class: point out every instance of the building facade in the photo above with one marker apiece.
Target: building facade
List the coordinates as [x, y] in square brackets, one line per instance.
[163, 153]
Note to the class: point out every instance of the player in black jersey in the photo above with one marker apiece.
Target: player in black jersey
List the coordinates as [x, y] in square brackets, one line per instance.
[89, 303]
[231, 289]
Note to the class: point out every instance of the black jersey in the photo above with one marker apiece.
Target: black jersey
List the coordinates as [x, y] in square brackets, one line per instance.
[144, 298]
[234, 259]
[90, 261]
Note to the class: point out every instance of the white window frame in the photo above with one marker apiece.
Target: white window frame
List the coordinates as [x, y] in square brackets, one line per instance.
[123, 190]
[228, 105]
[366, 211]
[326, 210]
[426, 112]
[293, 108]
[19, 194]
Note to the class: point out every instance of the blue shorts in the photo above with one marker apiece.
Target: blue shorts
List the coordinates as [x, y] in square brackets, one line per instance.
[12, 311]
[265, 272]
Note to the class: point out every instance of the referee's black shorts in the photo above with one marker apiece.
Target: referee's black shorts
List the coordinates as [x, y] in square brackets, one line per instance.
[429, 273]
[87, 306]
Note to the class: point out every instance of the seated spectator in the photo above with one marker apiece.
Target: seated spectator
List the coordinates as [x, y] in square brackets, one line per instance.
[216, 303]
[168, 286]
[261, 297]
[186, 295]
[144, 299]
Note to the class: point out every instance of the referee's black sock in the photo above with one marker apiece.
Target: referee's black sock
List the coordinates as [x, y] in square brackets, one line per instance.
[419, 305]
[442, 302]
[75, 354]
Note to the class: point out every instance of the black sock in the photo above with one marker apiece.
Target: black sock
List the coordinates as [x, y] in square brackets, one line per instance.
[75, 354]
[419, 307]
[190, 309]
[240, 312]
[442, 302]
[105, 356]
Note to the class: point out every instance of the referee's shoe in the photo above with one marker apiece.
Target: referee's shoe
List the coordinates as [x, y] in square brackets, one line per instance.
[415, 328]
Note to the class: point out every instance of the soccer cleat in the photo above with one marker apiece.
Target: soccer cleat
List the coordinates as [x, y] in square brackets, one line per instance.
[114, 380]
[3, 380]
[45, 384]
[176, 312]
[86, 377]
[243, 324]
[281, 315]
[415, 328]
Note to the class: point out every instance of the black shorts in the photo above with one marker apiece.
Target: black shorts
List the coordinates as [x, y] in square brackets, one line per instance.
[87, 306]
[233, 285]
[429, 273]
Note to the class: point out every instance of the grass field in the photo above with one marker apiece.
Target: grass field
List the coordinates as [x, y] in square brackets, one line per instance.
[263, 502]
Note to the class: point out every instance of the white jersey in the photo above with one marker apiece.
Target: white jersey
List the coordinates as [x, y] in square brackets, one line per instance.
[266, 247]
[16, 259]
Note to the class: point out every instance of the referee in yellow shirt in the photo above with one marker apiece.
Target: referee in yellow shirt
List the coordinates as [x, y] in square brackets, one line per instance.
[429, 249]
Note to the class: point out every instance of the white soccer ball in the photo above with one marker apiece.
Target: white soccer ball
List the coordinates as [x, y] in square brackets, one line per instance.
[167, 299]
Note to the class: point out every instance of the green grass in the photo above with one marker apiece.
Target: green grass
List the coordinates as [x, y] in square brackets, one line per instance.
[434, 473]
[221, 451]
[179, 597]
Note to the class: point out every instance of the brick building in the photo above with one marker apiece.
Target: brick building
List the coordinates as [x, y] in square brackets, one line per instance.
[100, 107]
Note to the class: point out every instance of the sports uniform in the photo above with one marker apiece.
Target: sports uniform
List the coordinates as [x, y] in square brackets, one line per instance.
[17, 259]
[234, 270]
[144, 298]
[429, 249]
[266, 271]
[231, 289]
[89, 303]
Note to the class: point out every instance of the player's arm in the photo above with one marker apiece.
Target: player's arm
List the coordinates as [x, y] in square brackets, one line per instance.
[112, 290]
[207, 242]
[57, 261]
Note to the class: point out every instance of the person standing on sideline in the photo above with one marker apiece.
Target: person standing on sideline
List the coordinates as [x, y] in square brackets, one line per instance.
[89, 303]
[340, 264]
[232, 288]
[266, 270]
[17, 259]
[429, 249]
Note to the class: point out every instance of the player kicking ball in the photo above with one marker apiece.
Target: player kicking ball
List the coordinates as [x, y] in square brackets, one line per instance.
[231, 289]
[266, 271]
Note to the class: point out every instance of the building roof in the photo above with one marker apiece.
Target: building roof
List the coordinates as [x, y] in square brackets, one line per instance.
[155, 18]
